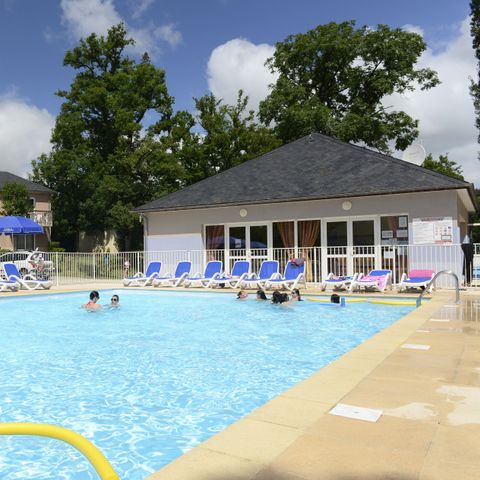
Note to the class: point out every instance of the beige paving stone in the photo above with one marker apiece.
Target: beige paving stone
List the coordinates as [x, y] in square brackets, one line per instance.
[253, 440]
[291, 412]
[316, 458]
[270, 473]
[440, 470]
[203, 464]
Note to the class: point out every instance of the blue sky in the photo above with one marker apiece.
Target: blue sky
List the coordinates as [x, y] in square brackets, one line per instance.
[220, 46]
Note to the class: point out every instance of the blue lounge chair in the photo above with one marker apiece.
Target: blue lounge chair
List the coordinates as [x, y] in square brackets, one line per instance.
[375, 280]
[212, 271]
[181, 273]
[294, 274]
[240, 270]
[268, 271]
[338, 282]
[416, 279]
[8, 286]
[144, 279]
[27, 282]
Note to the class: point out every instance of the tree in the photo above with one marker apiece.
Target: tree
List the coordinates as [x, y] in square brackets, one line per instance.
[475, 84]
[229, 137]
[15, 200]
[334, 79]
[102, 165]
[443, 165]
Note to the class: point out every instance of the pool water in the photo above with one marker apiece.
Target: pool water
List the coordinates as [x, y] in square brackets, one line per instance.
[152, 379]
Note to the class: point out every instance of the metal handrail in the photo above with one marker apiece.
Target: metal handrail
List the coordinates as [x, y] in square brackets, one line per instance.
[432, 284]
[93, 454]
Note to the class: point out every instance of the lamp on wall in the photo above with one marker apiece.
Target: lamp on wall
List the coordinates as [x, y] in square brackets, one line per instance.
[243, 212]
[347, 205]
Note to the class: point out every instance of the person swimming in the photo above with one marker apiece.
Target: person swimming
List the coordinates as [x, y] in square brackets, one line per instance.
[242, 295]
[261, 295]
[278, 298]
[114, 301]
[92, 303]
[296, 295]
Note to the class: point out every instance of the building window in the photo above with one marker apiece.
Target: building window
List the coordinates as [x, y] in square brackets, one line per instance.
[215, 237]
[309, 233]
[283, 235]
[24, 242]
[33, 203]
[394, 230]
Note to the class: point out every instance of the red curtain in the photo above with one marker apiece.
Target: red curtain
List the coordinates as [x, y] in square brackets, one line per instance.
[215, 237]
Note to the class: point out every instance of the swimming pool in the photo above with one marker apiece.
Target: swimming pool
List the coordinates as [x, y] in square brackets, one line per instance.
[151, 380]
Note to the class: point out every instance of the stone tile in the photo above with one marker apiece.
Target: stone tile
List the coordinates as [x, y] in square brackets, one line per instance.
[253, 440]
[203, 464]
[439, 470]
[292, 412]
[314, 458]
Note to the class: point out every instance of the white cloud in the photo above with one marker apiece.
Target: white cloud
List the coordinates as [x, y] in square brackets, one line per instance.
[240, 64]
[25, 132]
[83, 17]
[140, 7]
[413, 29]
[445, 113]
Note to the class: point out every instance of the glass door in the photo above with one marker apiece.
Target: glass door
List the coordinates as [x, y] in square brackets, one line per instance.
[363, 241]
[257, 245]
[337, 245]
[247, 242]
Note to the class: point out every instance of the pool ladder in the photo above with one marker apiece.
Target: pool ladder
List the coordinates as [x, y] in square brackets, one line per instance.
[94, 455]
[433, 281]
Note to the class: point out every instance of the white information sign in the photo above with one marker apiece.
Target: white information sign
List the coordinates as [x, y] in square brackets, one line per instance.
[432, 230]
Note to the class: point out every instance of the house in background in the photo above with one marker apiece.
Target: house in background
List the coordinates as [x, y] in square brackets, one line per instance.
[345, 208]
[40, 197]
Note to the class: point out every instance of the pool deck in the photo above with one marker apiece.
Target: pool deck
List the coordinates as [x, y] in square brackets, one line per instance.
[429, 396]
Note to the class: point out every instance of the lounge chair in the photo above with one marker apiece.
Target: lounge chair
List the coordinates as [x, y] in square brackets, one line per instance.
[144, 279]
[416, 279]
[8, 286]
[27, 282]
[375, 280]
[212, 271]
[338, 282]
[181, 273]
[240, 270]
[268, 270]
[294, 274]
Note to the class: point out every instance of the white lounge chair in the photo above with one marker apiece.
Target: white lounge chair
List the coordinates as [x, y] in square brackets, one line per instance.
[338, 282]
[181, 273]
[294, 274]
[416, 279]
[141, 279]
[212, 271]
[8, 286]
[268, 270]
[375, 280]
[240, 270]
[27, 282]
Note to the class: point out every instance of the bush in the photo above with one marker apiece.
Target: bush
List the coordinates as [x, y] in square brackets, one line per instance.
[55, 247]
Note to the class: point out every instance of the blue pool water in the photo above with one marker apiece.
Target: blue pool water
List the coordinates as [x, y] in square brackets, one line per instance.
[152, 379]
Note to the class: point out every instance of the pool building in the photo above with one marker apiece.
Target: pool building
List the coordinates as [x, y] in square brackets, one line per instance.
[343, 207]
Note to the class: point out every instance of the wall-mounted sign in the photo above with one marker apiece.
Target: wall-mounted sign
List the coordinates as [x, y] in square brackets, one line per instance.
[432, 230]
[387, 233]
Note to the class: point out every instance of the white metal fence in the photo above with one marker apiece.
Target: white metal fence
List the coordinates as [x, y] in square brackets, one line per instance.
[74, 268]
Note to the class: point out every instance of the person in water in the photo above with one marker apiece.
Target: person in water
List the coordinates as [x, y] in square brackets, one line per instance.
[242, 295]
[114, 301]
[296, 297]
[335, 298]
[278, 298]
[92, 303]
[261, 295]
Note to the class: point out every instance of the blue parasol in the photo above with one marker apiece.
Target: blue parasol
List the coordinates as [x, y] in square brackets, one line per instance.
[19, 226]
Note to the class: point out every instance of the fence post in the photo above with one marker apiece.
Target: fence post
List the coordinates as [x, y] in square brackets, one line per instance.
[93, 259]
[57, 269]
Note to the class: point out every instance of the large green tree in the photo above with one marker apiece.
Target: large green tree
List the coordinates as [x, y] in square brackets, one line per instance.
[335, 78]
[229, 136]
[475, 83]
[15, 200]
[443, 165]
[105, 161]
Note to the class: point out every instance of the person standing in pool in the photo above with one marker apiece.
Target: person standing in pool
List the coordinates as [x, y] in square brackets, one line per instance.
[114, 301]
[92, 304]
[279, 298]
[296, 297]
[261, 295]
[242, 295]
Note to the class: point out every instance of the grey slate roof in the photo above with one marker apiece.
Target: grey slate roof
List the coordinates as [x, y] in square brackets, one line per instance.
[313, 167]
[7, 177]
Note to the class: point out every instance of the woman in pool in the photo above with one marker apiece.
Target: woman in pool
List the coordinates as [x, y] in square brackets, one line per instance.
[278, 298]
[261, 295]
[296, 297]
[242, 295]
[114, 301]
[92, 303]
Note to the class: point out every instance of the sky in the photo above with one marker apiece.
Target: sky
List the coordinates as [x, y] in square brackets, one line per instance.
[220, 46]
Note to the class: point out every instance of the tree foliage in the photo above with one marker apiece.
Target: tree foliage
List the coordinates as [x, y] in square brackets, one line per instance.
[443, 165]
[475, 83]
[335, 78]
[15, 200]
[101, 166]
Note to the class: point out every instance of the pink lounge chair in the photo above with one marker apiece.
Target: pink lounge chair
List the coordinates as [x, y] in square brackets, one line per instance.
[416, 279]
